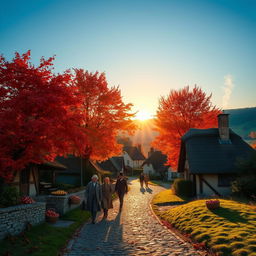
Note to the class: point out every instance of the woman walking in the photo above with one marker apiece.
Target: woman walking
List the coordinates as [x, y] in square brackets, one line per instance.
[107, 191]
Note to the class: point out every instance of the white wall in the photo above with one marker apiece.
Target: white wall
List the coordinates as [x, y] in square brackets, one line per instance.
[127, 160]
[212, 179]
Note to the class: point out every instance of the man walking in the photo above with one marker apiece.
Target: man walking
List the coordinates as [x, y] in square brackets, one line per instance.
[121, 188]
[93, 196]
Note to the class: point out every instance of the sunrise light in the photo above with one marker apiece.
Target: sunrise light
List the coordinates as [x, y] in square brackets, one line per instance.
[143, 115]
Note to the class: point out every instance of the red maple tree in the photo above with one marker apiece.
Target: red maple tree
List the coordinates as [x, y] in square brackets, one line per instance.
[37, 117]
[177, 113]
[106, 114]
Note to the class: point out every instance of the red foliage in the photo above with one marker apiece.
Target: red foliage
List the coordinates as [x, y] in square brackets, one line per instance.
[177, 113]
[37, 117]
[106, 114]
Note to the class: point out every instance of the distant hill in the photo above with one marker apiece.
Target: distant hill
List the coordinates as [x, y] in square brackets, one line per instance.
[242, 121]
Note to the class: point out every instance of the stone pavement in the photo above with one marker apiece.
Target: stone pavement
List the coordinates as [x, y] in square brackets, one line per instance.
[133, 232]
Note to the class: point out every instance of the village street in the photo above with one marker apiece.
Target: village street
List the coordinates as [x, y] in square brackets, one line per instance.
[133, 232]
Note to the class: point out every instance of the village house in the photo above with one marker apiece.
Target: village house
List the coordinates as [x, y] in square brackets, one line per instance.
[36, 179]
[208, 157]
[115, 165]
[78, 170]
[155, 165]
[133, 156]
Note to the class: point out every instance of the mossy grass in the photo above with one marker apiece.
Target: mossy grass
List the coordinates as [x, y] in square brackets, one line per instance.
[166, 196]
[44, 239]
[228, 230]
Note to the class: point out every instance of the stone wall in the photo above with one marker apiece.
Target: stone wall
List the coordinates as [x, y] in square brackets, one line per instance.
[61, 203]
[14, 219]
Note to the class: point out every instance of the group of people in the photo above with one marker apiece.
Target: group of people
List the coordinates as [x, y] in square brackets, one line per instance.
[100, 196]
[144, 178]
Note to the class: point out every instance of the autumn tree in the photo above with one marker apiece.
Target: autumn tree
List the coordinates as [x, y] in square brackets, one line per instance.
[106, 114]
[37, 117]
[177, 113]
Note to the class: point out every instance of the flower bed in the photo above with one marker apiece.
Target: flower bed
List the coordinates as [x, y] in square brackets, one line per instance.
[61, 203]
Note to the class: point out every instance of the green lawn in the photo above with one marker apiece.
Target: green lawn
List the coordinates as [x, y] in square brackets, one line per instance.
[229, 230]
[44, 239]
[166, 196]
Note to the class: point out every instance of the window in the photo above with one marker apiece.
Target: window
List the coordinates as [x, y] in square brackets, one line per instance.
[224, 180]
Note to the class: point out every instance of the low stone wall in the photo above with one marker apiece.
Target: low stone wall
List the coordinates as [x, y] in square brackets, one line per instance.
[14, 219]
[61, 203]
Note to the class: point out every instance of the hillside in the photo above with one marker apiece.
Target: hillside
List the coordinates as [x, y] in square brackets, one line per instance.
[242, 121]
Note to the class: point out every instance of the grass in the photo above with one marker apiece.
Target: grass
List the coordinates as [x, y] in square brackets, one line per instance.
[166, 197]
[43, 239]
[229, 230]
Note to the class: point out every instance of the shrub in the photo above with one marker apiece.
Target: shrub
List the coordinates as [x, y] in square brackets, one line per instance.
[183, 187]
[245, 182]
[9, 196]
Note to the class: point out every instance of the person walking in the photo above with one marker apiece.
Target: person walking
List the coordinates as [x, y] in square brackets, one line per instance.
[121, 189]
[146, 179]
[141, 179]
[107, 191]
[94, 197]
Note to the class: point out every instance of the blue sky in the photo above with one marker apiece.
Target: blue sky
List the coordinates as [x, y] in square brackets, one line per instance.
[146, 47]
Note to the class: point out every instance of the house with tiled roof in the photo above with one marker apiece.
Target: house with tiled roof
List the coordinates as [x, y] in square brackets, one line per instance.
[133, 156]
[208, 157]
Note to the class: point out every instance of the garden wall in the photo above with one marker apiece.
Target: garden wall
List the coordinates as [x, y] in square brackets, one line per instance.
[61, 204]
[14, 219]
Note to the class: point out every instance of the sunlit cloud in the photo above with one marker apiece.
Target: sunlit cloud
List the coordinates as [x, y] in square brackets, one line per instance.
[228, 88]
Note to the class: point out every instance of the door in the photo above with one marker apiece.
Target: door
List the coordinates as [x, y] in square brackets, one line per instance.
[24, 181]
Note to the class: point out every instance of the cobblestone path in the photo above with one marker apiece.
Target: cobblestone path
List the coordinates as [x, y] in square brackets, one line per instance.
[133, 232]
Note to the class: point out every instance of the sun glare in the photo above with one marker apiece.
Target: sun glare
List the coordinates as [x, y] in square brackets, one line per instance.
[143, 115]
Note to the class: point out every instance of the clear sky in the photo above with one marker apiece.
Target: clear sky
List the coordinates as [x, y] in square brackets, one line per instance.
[146, 47]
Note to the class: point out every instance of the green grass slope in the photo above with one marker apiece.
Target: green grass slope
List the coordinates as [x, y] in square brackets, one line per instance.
[229, 230]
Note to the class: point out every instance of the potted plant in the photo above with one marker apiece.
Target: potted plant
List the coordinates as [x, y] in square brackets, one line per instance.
[212, 204]
[26, 200]
[51, 216]
[74, 199]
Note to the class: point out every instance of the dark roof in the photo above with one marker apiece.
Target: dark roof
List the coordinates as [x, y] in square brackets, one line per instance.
[113, 164]
[98, 168]
[158, 160]
[55, 165]
[134, 153]
[118, 162]
[206, 154]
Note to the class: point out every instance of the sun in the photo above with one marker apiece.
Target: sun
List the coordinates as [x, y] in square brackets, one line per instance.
[143, 115]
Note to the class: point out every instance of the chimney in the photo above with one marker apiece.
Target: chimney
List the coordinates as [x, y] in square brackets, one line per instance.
[139, 147]
[223, 125]
[150, 152]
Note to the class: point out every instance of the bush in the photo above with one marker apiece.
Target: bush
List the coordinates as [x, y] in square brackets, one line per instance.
[9, 196]
[183, 187]
[245, 182]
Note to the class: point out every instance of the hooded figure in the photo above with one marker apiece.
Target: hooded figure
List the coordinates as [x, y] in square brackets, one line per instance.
[94, 197]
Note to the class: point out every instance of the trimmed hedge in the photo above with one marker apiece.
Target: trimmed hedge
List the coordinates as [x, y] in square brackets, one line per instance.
[183, 187]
